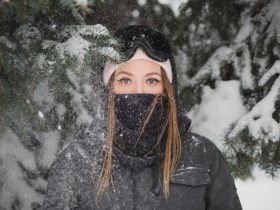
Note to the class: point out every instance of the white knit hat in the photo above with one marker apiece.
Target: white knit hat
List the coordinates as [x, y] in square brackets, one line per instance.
[111, 67]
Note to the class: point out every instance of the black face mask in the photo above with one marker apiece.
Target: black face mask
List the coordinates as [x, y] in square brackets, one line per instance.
[131, 112]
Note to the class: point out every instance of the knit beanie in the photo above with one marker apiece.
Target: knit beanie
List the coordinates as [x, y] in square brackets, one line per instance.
[111, 67]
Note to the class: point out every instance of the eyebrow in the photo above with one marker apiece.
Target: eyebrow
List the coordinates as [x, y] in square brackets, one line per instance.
[153, 73]
[124, 72]
[128, 73]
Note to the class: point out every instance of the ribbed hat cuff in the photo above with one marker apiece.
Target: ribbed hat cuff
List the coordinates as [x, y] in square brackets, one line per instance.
[111, 67]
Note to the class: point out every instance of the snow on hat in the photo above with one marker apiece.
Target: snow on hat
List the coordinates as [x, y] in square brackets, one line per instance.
[111, 67]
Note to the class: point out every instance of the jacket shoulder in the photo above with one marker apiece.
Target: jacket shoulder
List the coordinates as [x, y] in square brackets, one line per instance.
[202, 163]
[67, 160]
[70, 172]
[71, 158]
[198, 153]
[195, 143]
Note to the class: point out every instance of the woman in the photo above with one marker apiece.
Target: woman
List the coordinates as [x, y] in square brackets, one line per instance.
[151, 160]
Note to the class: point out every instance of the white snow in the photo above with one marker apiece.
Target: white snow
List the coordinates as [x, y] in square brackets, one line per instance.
[6, 41]
[219, 108]
[81, 2]
[275, 69]
[182, 68]
[41, 115]
[12, 153]
[174, 5]
[83, 115]
[157, 9]
[260, 193]
[135, 13]
[109, 52]
[212, 66]
[76, 47]
[43, 97]
[96, 30]
[49, 148]
[60, 110]
[246, 28]
[243, 67]
[141, 2]
[274, 15]
[260, 119]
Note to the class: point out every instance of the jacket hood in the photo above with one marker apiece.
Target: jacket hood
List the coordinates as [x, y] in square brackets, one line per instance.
[157, 47]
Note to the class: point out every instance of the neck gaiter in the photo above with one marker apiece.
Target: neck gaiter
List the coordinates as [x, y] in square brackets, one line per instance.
[131, 111]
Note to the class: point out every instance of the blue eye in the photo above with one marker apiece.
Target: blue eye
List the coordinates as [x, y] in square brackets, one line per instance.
[152, 81]
[124, 81]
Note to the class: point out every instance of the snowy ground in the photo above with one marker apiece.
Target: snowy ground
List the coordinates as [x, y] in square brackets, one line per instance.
[262, 193]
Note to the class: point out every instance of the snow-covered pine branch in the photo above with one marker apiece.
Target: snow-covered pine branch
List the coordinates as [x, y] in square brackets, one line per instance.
[211, 69]
[259, 120]
[275, 69]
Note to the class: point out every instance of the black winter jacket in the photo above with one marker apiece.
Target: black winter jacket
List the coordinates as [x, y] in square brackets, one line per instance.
[201, 180]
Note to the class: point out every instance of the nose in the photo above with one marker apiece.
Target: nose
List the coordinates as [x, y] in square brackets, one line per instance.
[139, 88]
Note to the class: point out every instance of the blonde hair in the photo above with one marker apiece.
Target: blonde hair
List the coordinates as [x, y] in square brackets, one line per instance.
[173, 144]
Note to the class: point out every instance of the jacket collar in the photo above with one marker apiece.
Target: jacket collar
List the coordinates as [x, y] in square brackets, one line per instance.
[138, 163]
[135, 163]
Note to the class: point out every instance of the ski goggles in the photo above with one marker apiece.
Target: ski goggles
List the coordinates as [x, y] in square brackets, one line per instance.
[151, 41]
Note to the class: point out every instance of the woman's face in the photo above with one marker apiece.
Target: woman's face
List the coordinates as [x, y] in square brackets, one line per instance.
[138, 76]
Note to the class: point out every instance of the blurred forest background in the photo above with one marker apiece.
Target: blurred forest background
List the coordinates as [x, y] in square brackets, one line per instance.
[228, 62]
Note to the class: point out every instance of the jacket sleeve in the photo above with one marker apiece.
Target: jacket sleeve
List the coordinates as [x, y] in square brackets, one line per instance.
[60, 192]
[221, 193]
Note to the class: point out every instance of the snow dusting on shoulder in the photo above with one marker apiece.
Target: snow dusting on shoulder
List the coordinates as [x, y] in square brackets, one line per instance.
[195, 141]
[83, 153]
[68, 155]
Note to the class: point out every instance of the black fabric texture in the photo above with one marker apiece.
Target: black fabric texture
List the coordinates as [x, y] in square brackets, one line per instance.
[201, 180]
[131, 111]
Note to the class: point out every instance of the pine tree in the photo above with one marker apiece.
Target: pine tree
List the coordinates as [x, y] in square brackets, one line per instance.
[256, 136]
[245, 50]
[48, 93]
[50, 60]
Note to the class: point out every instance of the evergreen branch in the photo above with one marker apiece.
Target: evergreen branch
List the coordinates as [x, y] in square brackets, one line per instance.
[275, 69]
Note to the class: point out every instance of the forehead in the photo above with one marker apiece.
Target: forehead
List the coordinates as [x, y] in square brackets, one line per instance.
[140, 67]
